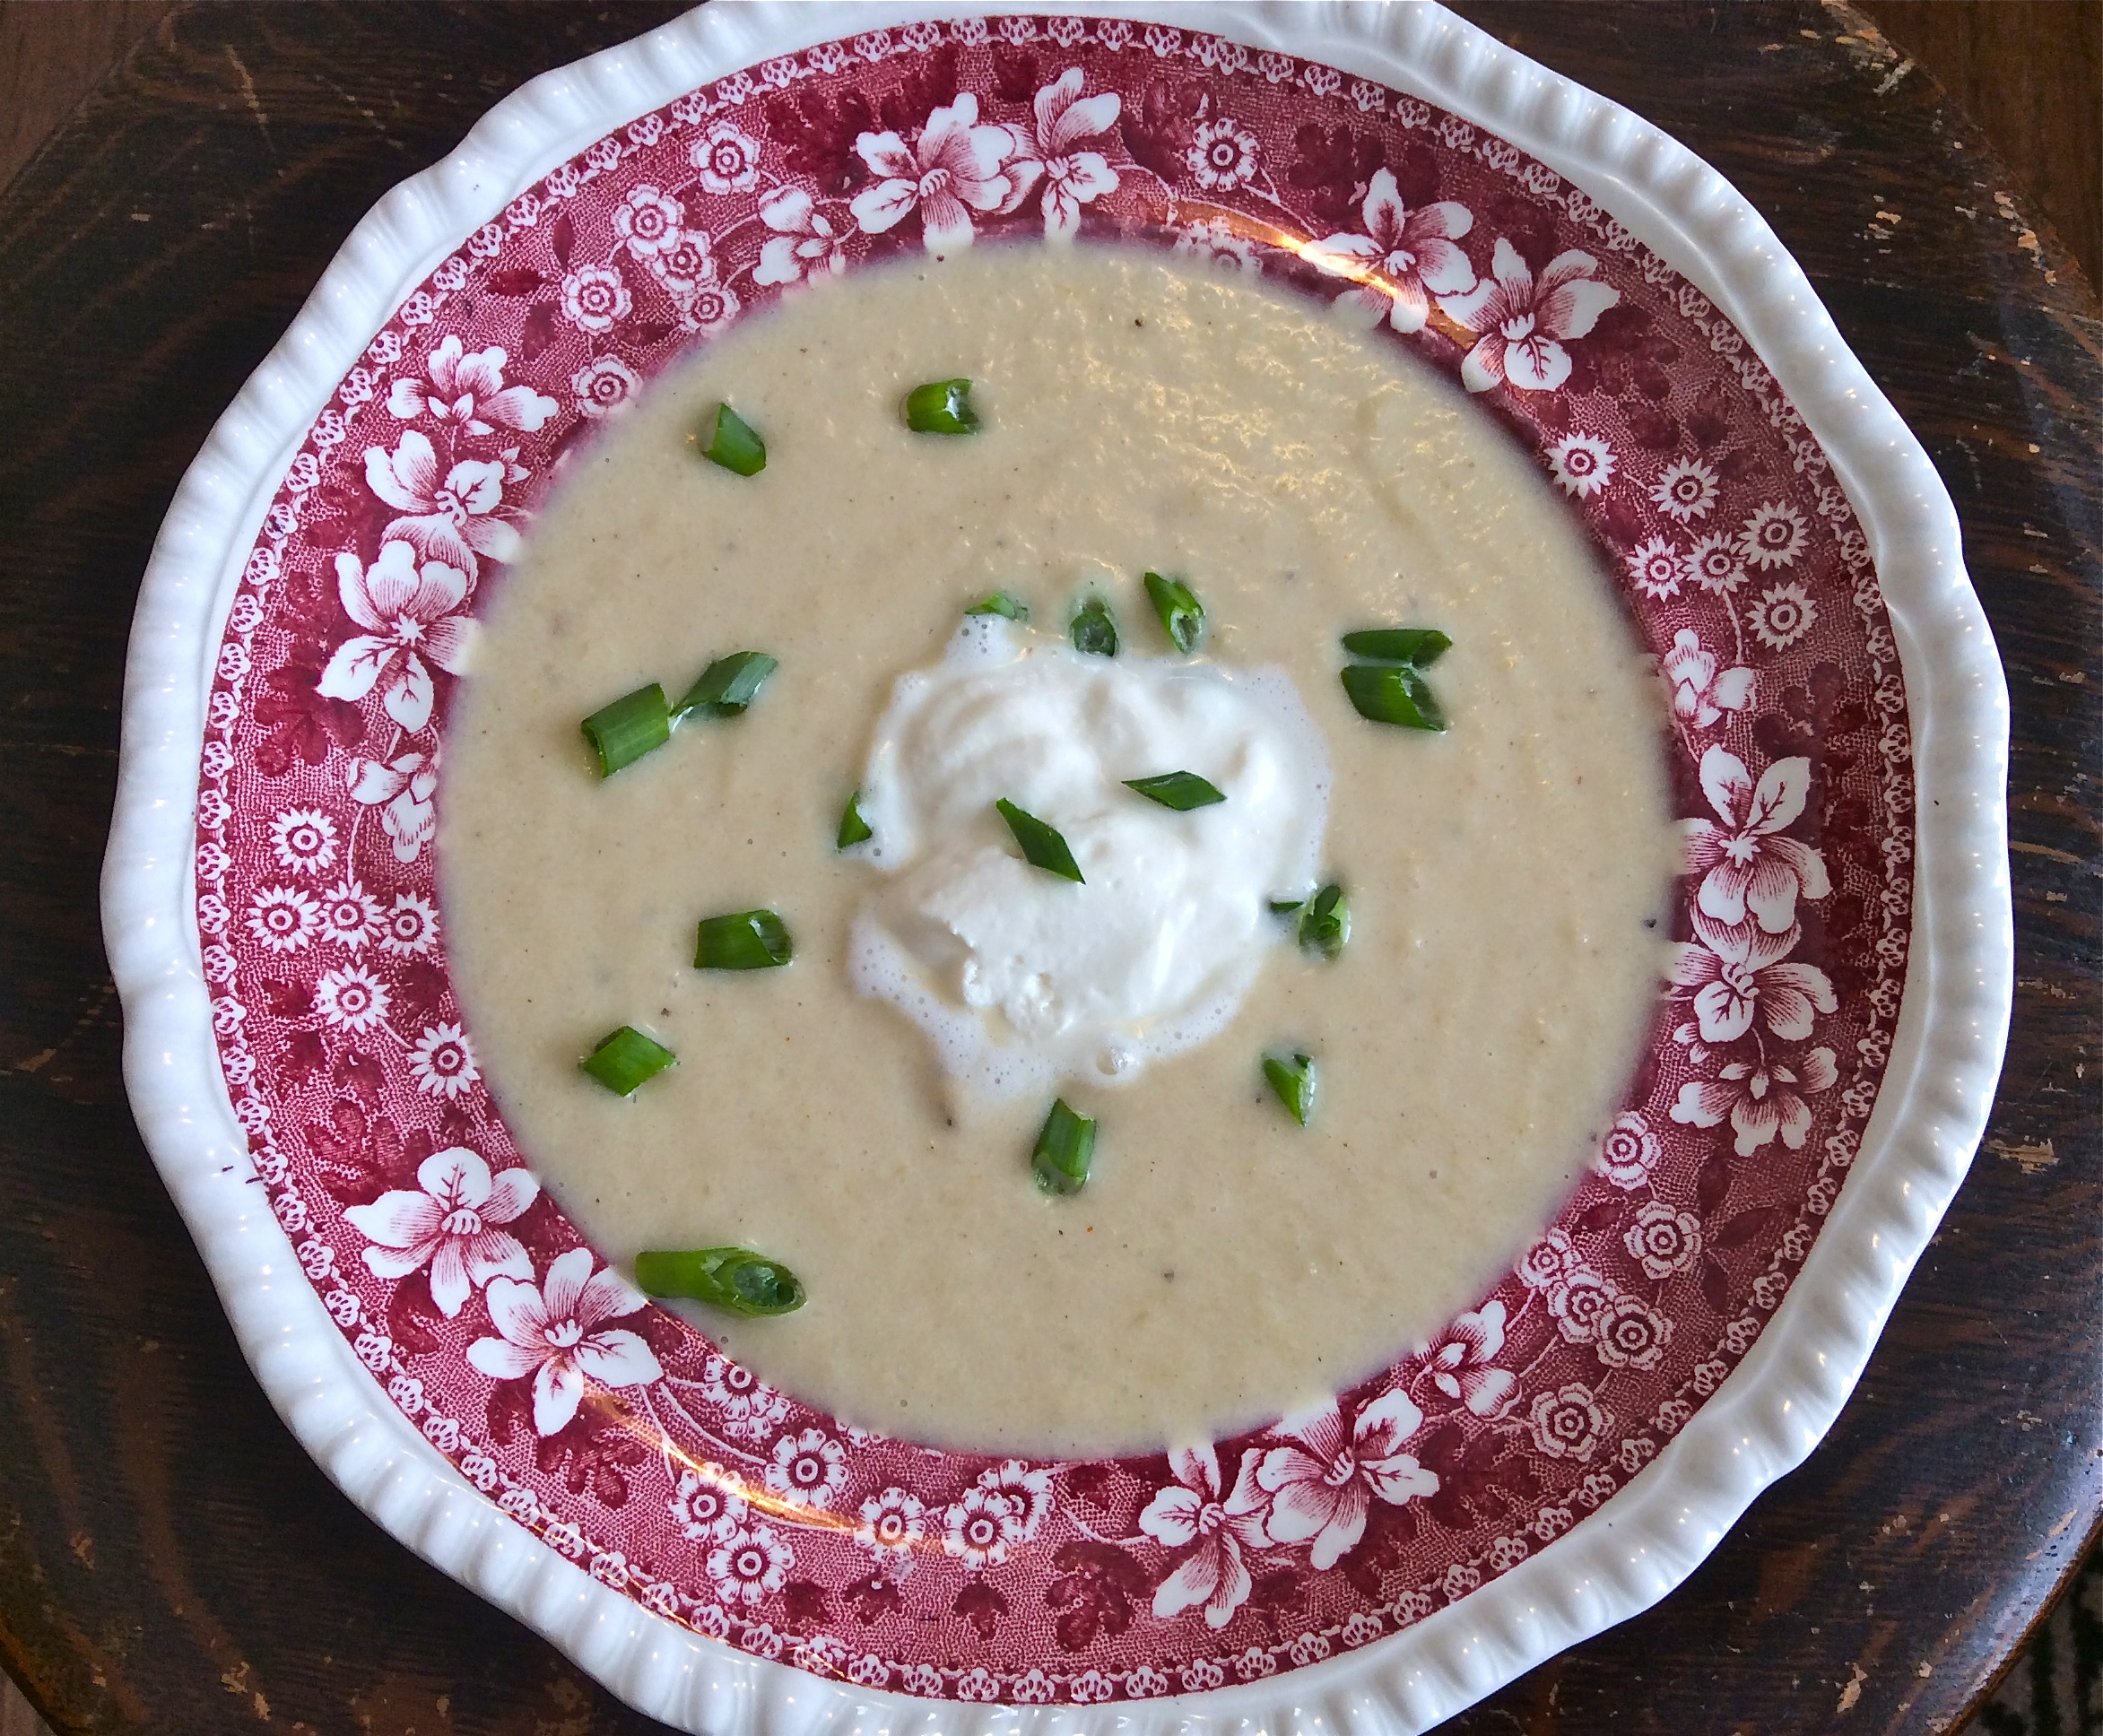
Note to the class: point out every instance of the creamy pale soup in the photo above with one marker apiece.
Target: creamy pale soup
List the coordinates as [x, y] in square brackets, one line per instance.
[867, 1114]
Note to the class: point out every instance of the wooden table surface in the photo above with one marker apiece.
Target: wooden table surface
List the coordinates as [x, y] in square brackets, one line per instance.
[170, 1560]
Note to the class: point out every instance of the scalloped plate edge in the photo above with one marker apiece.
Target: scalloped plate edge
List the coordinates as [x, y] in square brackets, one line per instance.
[1764, 1420]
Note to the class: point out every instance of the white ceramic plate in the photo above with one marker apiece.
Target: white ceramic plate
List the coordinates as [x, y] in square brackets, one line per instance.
[1837, 565]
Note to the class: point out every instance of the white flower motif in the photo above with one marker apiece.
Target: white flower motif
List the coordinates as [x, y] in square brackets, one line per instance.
[1738, 976]
[1548, 1259]
[1323, 1485]
[1579, 1300]
[454, 1226]
[1568, 1424]
[1715, 565]
[1628, 1152]
[709, 308]
[750, 1564]
[954, 169]
[467, 389]
[1190, 1512]
[648, 219]
[283, 918]
[556, 1333]
[804, 244]
[605, 385]
[1761, 1101]
[1404, 259]
[1774, 537]
[351, 999]
[304, 840]
[1215, 244]
[408, 615]
[1656, 567]
[1631, 1334]
[1701, 693]
[1782, 615]
[751, 1410]
[411, 929]
[402, 789]
[1582, 465]
[1666, 1240]
[728, 160]
[685, 263]
[980, 1527]
[809, 1469]
[709, 1502]
[442, 1061]
[1686, 492]
[1745, 863]
[1071, 178]
[450, 519]
[1222, 156]
[894, 1524]
[1460, 1362]
[594, 298]
[1523, 321]
[1029, 1490]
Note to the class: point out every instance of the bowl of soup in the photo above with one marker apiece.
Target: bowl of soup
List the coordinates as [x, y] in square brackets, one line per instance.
[1056, 860]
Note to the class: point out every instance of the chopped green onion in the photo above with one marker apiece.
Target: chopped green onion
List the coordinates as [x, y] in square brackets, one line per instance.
[853, 829]
[1393, 696]
[1418, 646]
[1285, 906]
[728, 685]
[1293, 1079]
[1325, 925]
[625, 1059]
[1001, 604]
[1042, 847]
[1182, 614]
[1094, 631]
[1064, 1149]
[732, 1278]
[1179, 790]
[745, 939]
[942, 407]
[733, 443]
[620, 733]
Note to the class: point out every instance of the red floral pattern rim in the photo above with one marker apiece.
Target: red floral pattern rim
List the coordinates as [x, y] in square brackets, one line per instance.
[615, 1430]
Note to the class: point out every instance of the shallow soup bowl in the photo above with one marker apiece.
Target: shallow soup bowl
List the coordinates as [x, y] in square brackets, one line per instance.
[1782, 549]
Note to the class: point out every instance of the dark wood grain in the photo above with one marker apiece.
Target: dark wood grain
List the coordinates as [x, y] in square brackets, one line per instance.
[169, 1560]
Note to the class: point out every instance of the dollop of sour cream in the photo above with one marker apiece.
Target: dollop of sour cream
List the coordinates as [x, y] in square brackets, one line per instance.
[1019, 976]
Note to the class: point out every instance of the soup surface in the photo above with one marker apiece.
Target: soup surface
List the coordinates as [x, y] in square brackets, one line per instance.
[1507, 879]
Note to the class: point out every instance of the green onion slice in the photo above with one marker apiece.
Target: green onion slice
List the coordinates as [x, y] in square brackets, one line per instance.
[1001, 604]
[1042, 847]
[853, 829]
[1182, 614]
[620, 733]
[942, 407]
[625, 1059]
[1418, 646]
[1325, 925]
[733, 443]
[1064, 1149]
[1398, 696]
[745, 939]
[728, 685]
[1094, 631]
[1285, 906]
[1292, 1077]
[1179, 790]
[732, 1278]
